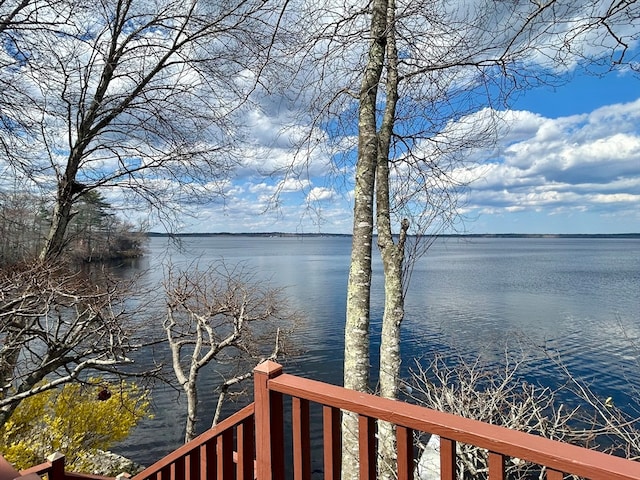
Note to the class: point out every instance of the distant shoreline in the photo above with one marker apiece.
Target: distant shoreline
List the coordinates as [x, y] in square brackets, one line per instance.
[468, 235]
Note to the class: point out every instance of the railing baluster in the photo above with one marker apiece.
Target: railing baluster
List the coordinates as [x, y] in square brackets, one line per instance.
[301, 439]
[554, 474]
[331, 442]
[404, 439]
[448, 467]
[496, 466]
[246, 445]
[210, 456]
[367, 447]
[179, 469]
[224, 452]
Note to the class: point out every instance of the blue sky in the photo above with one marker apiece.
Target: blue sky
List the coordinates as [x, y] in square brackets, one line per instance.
[570, 163]
[581, 94]
[608, 199]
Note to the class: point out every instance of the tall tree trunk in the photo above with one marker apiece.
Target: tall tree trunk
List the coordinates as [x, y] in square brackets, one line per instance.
[55, 240]
[389, 375]
[68, 190]
[392, 258]
[356, 352]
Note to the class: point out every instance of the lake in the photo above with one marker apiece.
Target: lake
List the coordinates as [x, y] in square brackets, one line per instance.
[574, 298]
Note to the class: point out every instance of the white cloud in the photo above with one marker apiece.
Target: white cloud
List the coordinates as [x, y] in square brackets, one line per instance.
[261, 188]
[293, 185]
[581, 163]
[318, 194]
[578, 168]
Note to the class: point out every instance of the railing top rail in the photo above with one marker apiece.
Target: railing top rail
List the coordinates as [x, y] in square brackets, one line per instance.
[230, 422]
[86, 476]
[557, 455]
[39, 469]
[47, 467]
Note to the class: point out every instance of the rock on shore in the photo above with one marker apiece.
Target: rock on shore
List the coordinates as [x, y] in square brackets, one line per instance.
[109, 464]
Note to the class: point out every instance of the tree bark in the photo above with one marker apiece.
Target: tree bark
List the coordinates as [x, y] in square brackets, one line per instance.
[192, 409]
[356, 354]
[9, 354]
[62, 213]
[392, 258]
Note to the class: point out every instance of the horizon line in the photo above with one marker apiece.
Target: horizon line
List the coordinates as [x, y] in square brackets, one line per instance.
[444, 235]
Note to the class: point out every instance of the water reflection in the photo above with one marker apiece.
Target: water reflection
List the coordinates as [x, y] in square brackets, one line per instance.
[576, 299]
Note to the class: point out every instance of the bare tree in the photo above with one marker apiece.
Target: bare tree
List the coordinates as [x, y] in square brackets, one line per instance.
[139, 96]
[223, 315]
[143, 97]
[432, 79]
[56, 325]
[499, 395]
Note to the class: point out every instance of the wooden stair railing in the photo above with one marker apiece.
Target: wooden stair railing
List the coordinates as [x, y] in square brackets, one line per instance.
[8, 472]
[224, 452]
[54, 469]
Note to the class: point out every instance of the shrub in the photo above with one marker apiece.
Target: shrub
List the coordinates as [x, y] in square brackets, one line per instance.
[75, 420]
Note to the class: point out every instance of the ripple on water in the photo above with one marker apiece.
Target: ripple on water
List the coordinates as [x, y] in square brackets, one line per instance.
[569, 300]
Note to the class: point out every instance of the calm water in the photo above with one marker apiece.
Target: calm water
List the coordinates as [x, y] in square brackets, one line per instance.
[576, 298]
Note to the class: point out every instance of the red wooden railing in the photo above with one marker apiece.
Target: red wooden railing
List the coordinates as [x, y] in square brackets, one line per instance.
[54, 469]
[226, 452]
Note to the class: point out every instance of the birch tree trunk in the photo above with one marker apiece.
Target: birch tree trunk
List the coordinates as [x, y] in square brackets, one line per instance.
[389, 375]
[392, 258]
[356, 353]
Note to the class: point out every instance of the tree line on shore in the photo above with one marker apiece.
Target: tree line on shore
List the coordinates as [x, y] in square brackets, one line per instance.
[95, 234]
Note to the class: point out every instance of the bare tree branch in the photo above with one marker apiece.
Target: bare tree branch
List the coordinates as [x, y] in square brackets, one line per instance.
[221, 314]
[55, 325]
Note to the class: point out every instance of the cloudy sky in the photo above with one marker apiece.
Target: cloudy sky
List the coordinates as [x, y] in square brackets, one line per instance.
[566, 160]
[569, 163]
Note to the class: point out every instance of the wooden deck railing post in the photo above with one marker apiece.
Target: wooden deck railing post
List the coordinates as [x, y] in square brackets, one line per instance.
[57, 466]
[269, 423]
